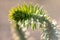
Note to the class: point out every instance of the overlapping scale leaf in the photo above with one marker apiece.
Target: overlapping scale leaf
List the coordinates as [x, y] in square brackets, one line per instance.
[28, 15]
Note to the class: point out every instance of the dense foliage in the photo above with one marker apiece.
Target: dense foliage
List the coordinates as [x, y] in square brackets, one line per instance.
[32, 16]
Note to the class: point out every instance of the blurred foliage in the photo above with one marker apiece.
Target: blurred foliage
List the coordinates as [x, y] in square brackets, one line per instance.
[29, 15]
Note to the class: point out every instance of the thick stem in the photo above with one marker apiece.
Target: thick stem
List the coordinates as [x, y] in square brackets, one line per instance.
[19, 33]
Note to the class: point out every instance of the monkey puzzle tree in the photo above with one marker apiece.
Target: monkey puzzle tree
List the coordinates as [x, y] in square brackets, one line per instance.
[26, 16]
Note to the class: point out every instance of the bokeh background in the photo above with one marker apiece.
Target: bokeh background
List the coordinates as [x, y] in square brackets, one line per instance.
[52, 7]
